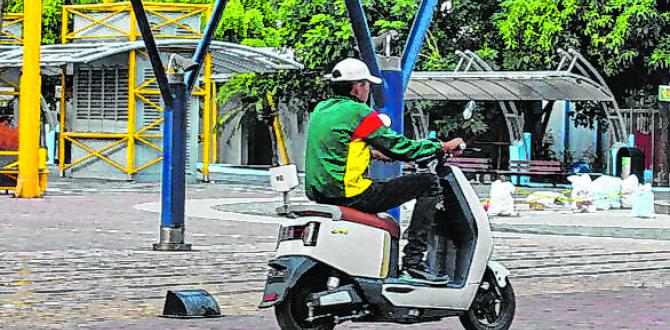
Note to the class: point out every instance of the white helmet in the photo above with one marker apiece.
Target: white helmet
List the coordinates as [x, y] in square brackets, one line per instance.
[352, 69]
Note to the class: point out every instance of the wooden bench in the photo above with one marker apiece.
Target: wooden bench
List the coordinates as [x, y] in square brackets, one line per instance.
[543, 168]
[472, 165]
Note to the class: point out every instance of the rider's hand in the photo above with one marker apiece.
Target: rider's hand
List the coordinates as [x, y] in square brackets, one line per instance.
[453, 146]
[376, 154]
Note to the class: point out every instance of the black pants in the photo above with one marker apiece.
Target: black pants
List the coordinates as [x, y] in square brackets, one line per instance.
[384, 195]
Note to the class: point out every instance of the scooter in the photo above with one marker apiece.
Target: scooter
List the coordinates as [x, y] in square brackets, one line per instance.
[337, 264]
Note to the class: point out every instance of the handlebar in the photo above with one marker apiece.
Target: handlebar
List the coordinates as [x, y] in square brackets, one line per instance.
[441, 157]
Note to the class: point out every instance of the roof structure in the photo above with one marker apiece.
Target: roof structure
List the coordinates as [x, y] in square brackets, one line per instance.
[504, 86]
[228, 58]
[574, 79]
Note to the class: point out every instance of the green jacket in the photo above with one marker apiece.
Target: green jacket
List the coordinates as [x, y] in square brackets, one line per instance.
[337, 155]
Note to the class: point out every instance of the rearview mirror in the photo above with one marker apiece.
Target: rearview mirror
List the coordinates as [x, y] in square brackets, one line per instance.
[469, 108]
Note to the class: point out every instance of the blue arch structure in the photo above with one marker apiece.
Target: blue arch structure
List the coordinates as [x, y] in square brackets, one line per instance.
[396, 73]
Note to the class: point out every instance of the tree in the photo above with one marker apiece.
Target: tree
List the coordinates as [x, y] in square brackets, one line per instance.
[320, 34]
[627, 41]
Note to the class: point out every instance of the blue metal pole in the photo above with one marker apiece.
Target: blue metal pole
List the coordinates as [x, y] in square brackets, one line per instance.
[208, 36]
[362, 33]
[174, 150]
[416, 37]
[174, 147]
[394, 108]
[152, 49]
[173, 185]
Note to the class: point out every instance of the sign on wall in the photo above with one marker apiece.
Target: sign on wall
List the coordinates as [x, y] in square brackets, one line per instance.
[664, 93]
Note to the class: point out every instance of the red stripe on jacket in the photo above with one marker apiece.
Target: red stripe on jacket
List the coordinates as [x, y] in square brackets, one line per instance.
[369, 124]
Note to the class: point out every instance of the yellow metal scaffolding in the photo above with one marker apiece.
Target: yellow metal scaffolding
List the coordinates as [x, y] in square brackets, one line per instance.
[10, 170]
[137, 91]
[10, 20]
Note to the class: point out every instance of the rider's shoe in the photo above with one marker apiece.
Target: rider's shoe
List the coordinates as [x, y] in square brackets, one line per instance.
[422, 275]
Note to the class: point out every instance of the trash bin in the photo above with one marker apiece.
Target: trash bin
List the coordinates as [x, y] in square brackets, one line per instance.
[630, 161]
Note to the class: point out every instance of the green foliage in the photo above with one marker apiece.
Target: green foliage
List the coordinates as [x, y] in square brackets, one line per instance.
[51, 18]
[249, 22]
[534, 23]
[660, 57]
[531, 29]
[617, 35]
[320, 34]
[622, 31]
[451, 122]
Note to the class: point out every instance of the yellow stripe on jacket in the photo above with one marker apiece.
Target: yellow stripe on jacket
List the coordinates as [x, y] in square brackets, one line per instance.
[358, 160]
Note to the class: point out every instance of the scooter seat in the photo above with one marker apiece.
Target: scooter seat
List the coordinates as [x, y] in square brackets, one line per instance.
[385, 222]
[382, 220]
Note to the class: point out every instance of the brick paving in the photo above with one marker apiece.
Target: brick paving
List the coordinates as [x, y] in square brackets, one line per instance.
[81, 258]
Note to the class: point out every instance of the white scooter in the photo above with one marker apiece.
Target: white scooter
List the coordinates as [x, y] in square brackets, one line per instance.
[337, 264]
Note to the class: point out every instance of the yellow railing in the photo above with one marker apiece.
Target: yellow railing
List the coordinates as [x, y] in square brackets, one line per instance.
[11, 170]
[8, 21]
[112, 11]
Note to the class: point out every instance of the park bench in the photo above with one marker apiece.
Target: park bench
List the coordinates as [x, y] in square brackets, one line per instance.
[472, 165]
[550, 169]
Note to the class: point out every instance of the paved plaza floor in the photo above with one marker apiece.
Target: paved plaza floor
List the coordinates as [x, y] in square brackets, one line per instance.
[81, 258]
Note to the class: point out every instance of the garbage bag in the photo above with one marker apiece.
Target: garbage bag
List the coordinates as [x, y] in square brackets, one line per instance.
[501, 200]
[546, 198]
[606, 192]
[582, 193]
[643, 202]
[628, 186]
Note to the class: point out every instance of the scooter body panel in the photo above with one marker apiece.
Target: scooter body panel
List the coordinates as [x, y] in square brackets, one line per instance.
[446, 297]
[438, 297]
[353, 248]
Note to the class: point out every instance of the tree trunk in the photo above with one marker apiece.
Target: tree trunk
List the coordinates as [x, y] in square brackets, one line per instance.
[273, 138]
[533, 124]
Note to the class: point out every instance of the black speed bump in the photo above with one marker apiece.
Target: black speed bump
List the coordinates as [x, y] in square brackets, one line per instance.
[190, 304]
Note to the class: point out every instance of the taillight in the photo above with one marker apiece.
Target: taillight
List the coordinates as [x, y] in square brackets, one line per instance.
[270, 297]
[307, 233]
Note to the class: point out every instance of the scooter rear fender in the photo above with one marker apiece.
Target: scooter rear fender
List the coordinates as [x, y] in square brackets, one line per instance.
[284, 273]
[499, 272]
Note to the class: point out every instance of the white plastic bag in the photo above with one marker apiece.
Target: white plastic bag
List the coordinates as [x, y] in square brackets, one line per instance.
[502, 202]
[606, 192]
[628, 186]
[582, 194]
[643, 202]
[546, 198]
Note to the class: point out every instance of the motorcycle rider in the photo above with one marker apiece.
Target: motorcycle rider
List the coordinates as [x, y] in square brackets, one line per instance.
[340, 135]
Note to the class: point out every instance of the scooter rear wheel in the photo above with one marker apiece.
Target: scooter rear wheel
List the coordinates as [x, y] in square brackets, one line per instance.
[293, 311]
[492, 309]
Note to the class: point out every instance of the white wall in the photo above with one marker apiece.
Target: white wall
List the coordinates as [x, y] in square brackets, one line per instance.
[233, 143]
[581, 140]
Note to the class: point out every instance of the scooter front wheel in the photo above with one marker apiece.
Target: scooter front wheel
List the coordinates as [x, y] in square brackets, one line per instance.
[293, 312]
[493, 307]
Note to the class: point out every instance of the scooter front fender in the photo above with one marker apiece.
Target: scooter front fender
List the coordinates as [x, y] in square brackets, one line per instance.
[499, 272]
[284, 273]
